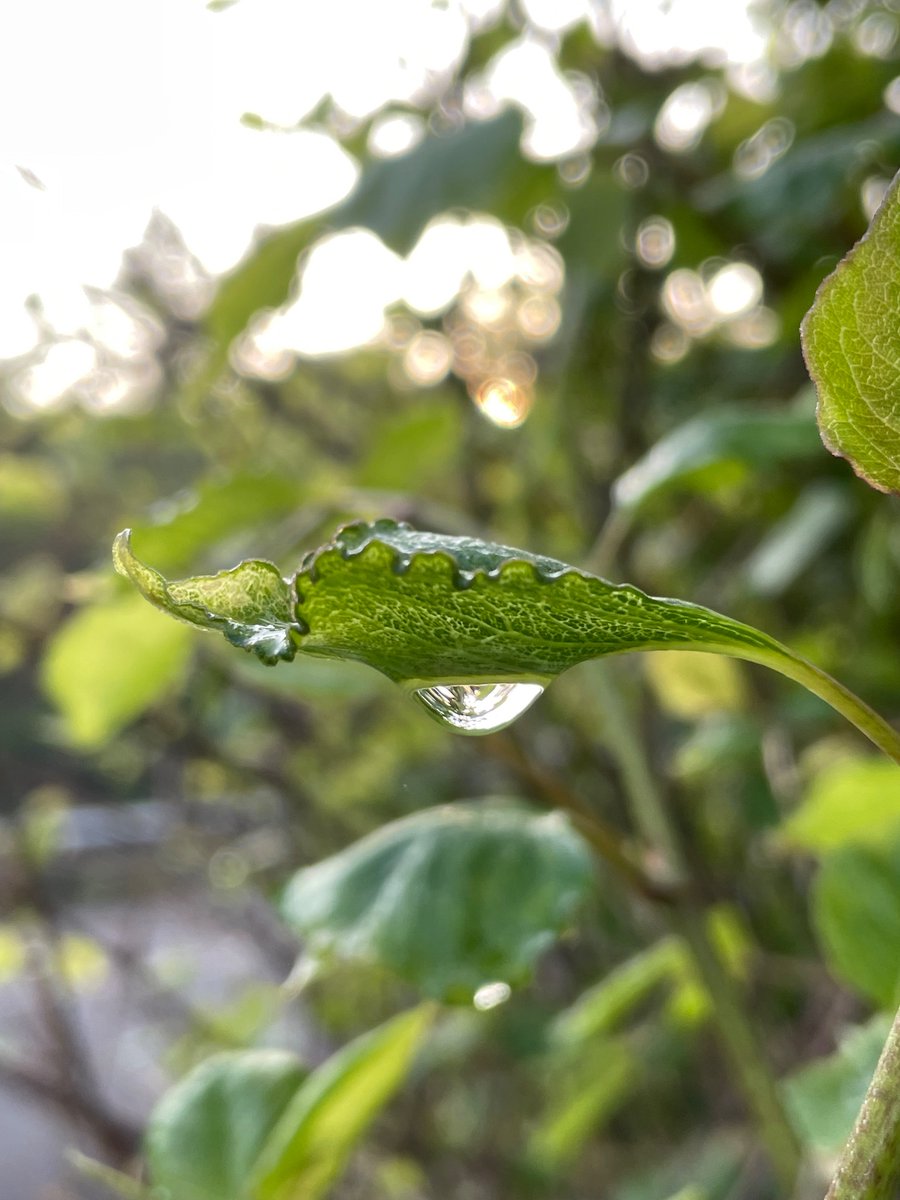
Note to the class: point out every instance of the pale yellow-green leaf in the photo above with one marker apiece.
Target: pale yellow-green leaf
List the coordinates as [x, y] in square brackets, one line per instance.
[110, 662]
[13, 953]
[691, 685]
[82, 962]
[855, 801]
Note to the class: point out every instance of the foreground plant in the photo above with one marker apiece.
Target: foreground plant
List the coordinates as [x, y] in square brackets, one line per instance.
[474, 632]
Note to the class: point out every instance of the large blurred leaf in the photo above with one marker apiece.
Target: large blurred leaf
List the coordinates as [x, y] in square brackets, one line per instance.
[825, 1097]
[311, 1143]
[205, 1136]
[108, 663]
[413, 449]
[731, 434]
[216, 510]
[468, 168]
[792, 203]
[254, 1125]
[856, 908]
[852, 802]
[450, 898]
[851, 339]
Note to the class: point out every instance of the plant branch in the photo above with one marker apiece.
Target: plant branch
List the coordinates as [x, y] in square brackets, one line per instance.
[870, 1164]
[739, 1038]
[606, 841]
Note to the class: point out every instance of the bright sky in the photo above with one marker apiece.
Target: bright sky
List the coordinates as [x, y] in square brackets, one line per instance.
[113, 110]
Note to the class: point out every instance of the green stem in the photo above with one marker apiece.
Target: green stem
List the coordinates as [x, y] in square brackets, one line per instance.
[821, 684]
[870, 1164]
[738, 1036]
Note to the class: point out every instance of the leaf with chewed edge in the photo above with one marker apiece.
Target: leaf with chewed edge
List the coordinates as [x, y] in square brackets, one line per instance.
[250, 604]
[429, 609]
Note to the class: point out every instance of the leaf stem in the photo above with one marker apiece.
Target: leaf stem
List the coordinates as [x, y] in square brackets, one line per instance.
[870, 1164]
[739, 1038]
[605, 841]
[823, 685]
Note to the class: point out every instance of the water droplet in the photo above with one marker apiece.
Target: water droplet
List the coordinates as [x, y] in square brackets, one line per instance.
[478, 707]
[490, 995]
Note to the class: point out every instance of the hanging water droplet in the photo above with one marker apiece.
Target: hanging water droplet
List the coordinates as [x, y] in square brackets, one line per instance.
[478, 707]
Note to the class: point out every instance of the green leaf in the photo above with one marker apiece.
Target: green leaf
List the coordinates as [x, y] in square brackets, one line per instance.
[852, 802]
[254, 1125]
[217, 510]
[205, 1136]
[429, 611]
[732, 434]
[108, 663]
[856, 909]
[791, 546]
[825, 1097]
[851, 339]
[310, 1145]
[422, 606]
[449, 899]
[603, 1007]
[411, 450]
[600, 1082]
[250, 604]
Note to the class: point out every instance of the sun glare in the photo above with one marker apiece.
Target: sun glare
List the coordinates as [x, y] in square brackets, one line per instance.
[168, 133]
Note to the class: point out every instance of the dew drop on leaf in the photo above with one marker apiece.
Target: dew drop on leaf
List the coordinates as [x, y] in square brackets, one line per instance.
[478, 707]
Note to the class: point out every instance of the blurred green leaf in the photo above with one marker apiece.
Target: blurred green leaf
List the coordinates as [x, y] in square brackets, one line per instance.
[818, 515]
[31, 492]
[824, 1097]
[604, 1006]
[596, 1089]
[255, 1125]
[108, 663]
[692, 685]
[450, 898]
[205, 1137]
[851, 339]
[852, 802]
[215, 511]
[724, 434]
[856, 910]
[311, 1143]
[794, 201]
[413, 448]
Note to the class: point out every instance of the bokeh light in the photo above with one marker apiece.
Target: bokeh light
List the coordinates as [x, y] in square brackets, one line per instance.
[654, 241]
[504, 402]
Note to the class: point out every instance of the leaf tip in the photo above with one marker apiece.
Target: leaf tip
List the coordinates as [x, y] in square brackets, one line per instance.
[121, 552]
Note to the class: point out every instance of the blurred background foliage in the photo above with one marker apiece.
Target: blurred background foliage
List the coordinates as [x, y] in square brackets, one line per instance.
[613, 377]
